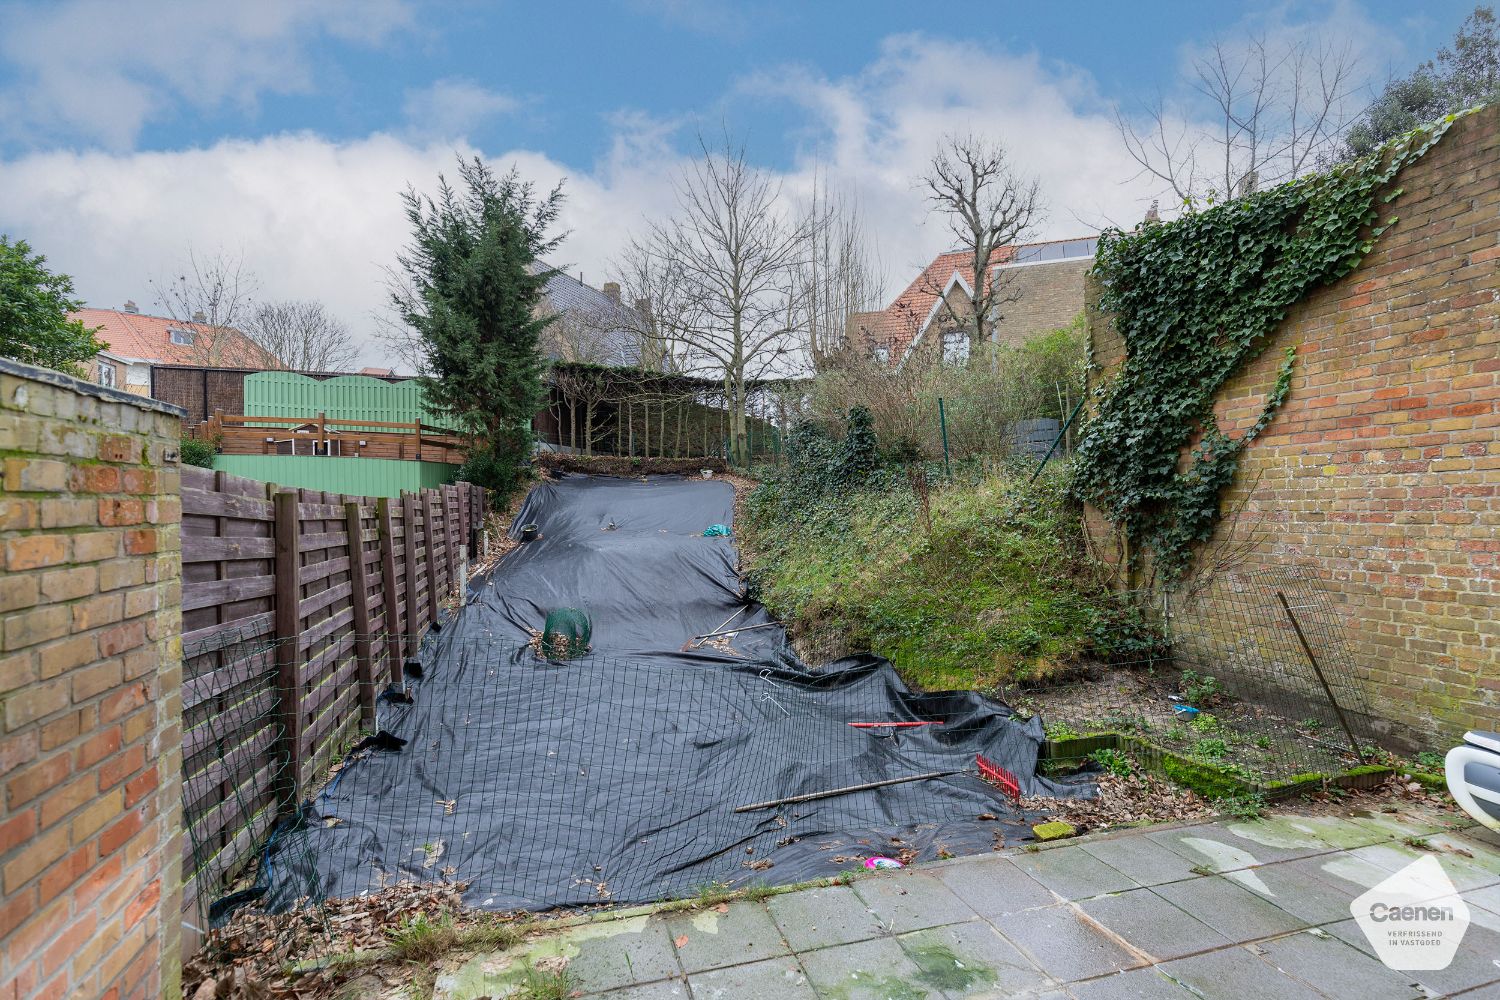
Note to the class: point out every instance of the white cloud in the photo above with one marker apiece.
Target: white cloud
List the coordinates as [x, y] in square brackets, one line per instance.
[101, 69]
[452, 108]
[312, 218]
[315, 218]
[876, 131]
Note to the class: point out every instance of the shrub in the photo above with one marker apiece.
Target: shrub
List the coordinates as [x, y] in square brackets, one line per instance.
[1201, 690]
[196, 451]
[1113, 761]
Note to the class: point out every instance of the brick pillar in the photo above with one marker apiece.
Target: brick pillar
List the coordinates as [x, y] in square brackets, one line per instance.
[90, 690]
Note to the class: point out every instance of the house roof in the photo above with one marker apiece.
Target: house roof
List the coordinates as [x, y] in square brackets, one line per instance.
[903, 321]
[138, 337]
[609, 319]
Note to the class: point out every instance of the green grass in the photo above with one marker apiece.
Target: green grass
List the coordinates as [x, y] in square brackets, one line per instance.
[997, 590]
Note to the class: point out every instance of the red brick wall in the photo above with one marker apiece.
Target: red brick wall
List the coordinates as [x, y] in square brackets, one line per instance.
[1382, 472]
[90, 691]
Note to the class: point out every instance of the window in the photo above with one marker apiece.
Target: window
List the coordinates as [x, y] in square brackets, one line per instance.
[182, 338]
[106, 373]
[881, 354]
[955, 347]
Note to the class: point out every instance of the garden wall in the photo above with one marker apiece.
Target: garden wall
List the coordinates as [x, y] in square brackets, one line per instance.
[1381, 474]
[90, 681]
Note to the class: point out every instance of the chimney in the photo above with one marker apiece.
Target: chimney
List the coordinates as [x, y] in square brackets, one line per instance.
[130, 306]
[643, 306]
[198, 317]
[1152, 215]
[612, 289]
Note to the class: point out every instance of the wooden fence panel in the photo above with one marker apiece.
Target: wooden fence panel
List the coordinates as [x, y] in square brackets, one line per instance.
[283, 591]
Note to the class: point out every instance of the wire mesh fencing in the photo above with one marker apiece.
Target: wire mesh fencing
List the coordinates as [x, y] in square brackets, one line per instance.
[1259, 683]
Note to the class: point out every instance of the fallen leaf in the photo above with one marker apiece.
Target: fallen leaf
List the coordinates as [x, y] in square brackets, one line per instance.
[681, 941]
[722, 908]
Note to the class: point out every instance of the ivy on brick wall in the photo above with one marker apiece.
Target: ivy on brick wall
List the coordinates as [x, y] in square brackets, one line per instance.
[1195, 300]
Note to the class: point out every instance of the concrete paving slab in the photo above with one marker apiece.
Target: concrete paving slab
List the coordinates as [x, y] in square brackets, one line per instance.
[1073, 873]
[1473, 968]
[1295, 887]
[1229, 908]
[1138, 984]
[1463, 872]
[866, 970]
[1152, 924]
[1235, 973]
[995, 886]
[817, 918]
[614, 953]
[1064, 945]
[675, 989]
[910, 901]
[1395, 825]
[707, 939]
[1334, 831]
[971, 960]
[1143, 860]
[1216, 848]
[773, 979]
[1332, 967]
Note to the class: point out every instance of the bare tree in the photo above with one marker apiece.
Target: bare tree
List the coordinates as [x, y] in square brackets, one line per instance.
[660, 307]
[730, 257]
[838, 275]
[303, 336]
[214, 292]
[989, 205]
[1269, 112]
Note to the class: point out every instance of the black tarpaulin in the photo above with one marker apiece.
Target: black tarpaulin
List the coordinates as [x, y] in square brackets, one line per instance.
[614, 777]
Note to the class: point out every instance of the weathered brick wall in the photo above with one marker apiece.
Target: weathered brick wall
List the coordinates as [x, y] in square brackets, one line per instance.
[1381, 473]
[1051, 295]
[90, 690]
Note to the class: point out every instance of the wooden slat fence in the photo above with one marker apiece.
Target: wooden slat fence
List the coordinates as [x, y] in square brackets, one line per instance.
[296, 607]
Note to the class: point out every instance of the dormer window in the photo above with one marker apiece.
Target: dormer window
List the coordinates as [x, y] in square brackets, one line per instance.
[180, 337]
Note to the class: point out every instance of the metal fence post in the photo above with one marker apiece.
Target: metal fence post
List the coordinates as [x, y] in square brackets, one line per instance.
[288, 625]
[943, 423]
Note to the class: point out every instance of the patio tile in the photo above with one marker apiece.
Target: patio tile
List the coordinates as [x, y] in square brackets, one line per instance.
[1141, 859]
[817, 918]
[971, 960]
[1138, 984]
[773, 979]
[1395, 825]
[675, 989]
[910, 901]
[867, 970]
[1464, 872]
[1229, 908]
[709, 939]
[1153, 925]
[1335, 969]
[1217, 848]
[1473, 967]
[1296, 887]
[1234, 973]
[1063, 945]
[995, 886]
[1335, 831]
[1073, 873]
[614, 953]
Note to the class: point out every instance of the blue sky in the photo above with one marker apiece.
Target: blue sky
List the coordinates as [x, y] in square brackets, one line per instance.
[133, 130]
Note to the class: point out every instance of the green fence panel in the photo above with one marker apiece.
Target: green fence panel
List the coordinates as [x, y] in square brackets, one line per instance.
[345, 397]
[369, 477]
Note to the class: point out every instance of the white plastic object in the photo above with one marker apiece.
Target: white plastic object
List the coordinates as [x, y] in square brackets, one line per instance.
[1482, 803]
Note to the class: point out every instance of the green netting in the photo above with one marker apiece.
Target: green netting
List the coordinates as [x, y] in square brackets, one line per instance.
[567, 633]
